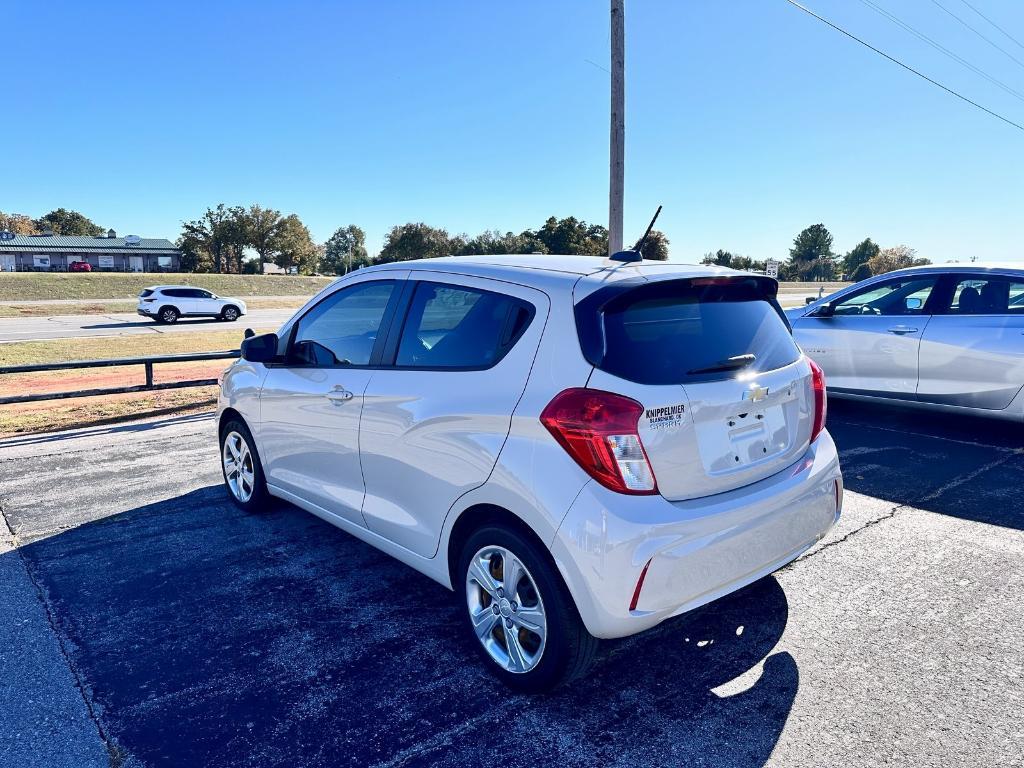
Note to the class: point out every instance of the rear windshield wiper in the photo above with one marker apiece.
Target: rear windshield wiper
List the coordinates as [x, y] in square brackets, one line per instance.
[729, 364]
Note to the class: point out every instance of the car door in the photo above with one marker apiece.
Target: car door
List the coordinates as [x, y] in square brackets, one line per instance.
[181, 298]
[972, 353]
[203, 302]
[435, 421]
[867, 340]
[310, 404]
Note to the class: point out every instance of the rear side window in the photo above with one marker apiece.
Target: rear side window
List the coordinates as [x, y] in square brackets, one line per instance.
[146, 292]
[682, 331]
[455, 327]
[984, 295]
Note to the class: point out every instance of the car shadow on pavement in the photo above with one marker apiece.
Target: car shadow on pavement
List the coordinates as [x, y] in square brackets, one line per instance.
[966, 467]
[207, 636]
[152, 323]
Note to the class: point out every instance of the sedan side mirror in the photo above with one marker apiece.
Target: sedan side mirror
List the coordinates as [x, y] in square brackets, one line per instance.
[260, 349]
[825, 310]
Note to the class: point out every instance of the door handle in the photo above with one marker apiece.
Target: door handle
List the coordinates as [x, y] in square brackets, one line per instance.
[339, 395]
[902, 329]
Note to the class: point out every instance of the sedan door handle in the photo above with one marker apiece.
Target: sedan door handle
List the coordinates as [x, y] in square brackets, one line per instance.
[339, 395]
[902, 329]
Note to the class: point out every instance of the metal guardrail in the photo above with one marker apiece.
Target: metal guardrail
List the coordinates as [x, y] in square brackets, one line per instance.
[148, 362]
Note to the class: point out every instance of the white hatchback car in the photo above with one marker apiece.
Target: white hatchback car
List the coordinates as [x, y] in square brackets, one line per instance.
[580, 448]
[166, 303]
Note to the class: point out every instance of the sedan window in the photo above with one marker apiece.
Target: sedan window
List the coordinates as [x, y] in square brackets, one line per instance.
[987, 296]
[342, 329]
[906, 296]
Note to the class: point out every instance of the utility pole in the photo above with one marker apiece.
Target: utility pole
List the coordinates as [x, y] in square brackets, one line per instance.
[617, 164]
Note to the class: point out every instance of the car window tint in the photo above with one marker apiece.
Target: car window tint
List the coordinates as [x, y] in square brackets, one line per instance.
[342, 329]
[907, 296]
[987, 296]
[175, 293]
[457, 327]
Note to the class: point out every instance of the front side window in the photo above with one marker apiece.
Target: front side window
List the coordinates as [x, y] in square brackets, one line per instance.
[342, 329]
[457, 327]
[906, 296]
[987, 296]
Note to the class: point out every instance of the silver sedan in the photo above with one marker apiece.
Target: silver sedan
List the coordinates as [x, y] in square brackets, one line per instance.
[947, 337]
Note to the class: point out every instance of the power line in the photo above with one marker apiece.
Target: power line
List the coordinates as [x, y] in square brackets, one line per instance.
[942, 49]
[983, 37]
[986, 18]
[907, 67]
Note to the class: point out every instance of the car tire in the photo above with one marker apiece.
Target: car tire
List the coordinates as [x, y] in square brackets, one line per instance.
[535, 661]
[241, 467]
[168, 315]
[229, 314]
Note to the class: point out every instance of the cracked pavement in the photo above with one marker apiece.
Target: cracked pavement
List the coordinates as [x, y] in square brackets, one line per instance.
[146, 621]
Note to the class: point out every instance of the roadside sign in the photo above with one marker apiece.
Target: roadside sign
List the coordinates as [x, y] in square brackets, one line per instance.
[106, 262]
[40, 261]
[772, 268]
[6, 235]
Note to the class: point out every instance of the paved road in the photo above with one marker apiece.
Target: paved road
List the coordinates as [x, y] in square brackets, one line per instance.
[121, 324]
[144, 617]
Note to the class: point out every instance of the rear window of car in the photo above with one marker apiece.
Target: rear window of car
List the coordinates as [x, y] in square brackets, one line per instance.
[146, 292]
[683, 331]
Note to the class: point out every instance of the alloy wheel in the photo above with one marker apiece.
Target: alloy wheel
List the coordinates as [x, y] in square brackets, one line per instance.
[238, 467]
[506, 609]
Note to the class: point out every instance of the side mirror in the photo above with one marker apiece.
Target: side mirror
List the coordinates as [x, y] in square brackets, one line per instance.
[825, 310]
[260, 349]
[914, 303]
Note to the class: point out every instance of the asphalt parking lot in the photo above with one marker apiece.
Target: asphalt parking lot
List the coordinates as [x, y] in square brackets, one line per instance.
[146, 621]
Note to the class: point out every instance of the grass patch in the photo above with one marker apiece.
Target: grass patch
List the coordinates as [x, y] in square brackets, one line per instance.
[56, 415]
[136, 345]
[40, 286]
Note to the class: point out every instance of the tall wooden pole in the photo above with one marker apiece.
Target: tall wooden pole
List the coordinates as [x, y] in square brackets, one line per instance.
[617, 170]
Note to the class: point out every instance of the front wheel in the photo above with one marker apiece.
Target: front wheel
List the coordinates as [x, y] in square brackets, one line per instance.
[242, 470]
[521, 613]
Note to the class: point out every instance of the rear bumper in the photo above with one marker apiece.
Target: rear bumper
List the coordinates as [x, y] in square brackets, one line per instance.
[145, 313]
[698, 550]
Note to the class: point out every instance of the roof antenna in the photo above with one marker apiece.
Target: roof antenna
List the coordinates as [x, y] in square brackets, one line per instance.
[637, 252]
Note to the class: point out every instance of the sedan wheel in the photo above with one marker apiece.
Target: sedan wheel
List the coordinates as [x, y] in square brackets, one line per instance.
[239, 471]
[506, 609]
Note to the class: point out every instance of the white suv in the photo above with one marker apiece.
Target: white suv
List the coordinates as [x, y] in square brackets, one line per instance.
[166, 303]
[580, 448]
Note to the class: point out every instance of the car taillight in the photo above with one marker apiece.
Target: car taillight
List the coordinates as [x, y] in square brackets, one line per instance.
[820, 399]
[599, 430]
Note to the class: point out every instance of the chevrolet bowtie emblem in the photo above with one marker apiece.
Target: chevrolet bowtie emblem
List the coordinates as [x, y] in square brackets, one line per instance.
[756, 394]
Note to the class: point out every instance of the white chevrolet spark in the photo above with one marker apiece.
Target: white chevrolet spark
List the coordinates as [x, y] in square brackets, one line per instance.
[580, 448]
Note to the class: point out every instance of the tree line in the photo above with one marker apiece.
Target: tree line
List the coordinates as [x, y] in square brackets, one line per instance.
[240, 239]
[812, 258]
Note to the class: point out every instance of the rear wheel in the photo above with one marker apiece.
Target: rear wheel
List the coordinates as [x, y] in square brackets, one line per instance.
[520, 612]
[230, 314]
[241, 467]
[168, 315]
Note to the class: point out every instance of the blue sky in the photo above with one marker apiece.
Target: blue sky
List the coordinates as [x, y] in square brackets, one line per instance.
[747, 119]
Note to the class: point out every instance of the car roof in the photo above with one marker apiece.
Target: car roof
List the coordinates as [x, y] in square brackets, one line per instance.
[973, 266]
[543, 269]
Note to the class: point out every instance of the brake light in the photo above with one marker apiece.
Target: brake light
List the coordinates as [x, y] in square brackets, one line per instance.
[820, 399]
[599, 430]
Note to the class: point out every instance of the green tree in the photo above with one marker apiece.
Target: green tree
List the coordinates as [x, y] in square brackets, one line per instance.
[261, 229]
[295, 248]
[208, 242]
[492, 242]
[345, 250]
[18, 223]
[862, 272]
[573, 236]
[734, 261]
[655, 247]
[811, 255]
[417, 241]
[860, 254]
[897, 257]
[64, 222]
